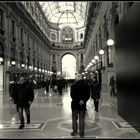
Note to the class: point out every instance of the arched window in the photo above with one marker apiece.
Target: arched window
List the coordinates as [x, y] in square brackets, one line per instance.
[82, 58]
[33, 62]
[28, 60]
[21, 57]
[67, 35]
[38, 64]
[12, 54]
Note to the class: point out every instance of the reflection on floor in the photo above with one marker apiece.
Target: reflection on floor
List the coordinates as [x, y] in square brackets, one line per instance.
[51, 118]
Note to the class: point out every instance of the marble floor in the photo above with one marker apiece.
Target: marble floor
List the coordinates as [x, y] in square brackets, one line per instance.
[51, 118]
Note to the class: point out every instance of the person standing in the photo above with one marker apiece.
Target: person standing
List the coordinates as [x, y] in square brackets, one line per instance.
[23, 97]
[60, 85]
[47, 84]
[80, 94]
[95, 91]
[112, 86]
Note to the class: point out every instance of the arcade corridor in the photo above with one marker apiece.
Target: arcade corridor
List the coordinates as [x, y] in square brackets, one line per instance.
[51, 118]
[99, 37]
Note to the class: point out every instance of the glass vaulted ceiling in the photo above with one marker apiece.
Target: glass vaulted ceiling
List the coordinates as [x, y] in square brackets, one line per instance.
[65, 12]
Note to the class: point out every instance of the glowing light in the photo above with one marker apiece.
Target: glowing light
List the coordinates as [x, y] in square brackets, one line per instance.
[30, 67]
[13, 119]
[110, 42]
[1, 59]
[13, 62]
[22, 65]
[101, 52]
[96, 57]
[1, 126]
[93, 61]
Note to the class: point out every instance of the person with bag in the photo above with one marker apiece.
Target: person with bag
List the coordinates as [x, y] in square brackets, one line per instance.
[95, 91]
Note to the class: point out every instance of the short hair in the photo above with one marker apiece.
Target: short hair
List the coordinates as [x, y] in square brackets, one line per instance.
[79, 75]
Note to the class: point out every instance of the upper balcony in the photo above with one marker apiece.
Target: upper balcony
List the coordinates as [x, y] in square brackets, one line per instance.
[76, 45]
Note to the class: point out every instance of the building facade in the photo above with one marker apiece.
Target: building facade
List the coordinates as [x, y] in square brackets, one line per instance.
[30, 44]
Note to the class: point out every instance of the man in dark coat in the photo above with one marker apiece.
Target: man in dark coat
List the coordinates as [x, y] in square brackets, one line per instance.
[60, 85]
[80, 94]
[23, 97]
[95, 91]
[112, 86]
[47, 84]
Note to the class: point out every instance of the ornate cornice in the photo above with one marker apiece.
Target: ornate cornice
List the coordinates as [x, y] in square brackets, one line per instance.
[113, 10]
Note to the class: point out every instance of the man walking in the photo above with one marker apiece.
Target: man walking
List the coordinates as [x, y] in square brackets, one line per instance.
[23, 97]
[80, 94]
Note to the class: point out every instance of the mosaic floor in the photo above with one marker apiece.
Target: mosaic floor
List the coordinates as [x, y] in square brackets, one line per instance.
[51, 118]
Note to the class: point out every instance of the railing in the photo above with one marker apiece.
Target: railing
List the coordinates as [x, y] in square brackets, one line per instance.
[67, 45]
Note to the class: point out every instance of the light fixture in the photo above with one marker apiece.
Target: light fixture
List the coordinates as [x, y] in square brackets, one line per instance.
[22, 65]
[58, 73]
[35, 68]
[110, 42]
[93, 61]
[1, 59]
[30, 67]
[101, 52]
[13, 63]
[90, 64]
[40, 70]
[96, 57]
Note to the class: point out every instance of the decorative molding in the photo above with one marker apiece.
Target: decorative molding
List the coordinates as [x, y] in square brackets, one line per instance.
[113, 9]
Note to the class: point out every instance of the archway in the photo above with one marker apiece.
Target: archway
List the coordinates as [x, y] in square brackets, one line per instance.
[68, 66]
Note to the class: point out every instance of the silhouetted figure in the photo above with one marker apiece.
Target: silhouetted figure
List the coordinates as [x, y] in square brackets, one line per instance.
[112, 86]
[95, 91]
[47, 84]
[80, 94]
[23, 97]
[54, 84]
[60, 85]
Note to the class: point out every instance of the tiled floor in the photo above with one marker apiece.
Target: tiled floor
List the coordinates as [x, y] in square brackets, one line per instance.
[51, 118]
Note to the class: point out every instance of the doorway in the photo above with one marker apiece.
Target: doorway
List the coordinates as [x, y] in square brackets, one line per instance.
[68, 66]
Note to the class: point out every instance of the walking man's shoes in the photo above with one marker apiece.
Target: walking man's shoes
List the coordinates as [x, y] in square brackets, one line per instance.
[28, 121]
[74, 133]
[81, 136]
[21, 126]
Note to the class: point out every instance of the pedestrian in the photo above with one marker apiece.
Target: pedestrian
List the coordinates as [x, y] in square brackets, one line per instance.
[80, 94]
[112, 86]
[95, 91]
[60, 85]
[47, 84]
[23, 97]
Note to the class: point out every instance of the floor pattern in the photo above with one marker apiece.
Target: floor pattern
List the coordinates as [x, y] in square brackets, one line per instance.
[14, 126]
[51, 118]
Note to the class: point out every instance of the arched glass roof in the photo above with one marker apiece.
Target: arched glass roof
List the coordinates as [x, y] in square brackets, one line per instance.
[65, 12]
